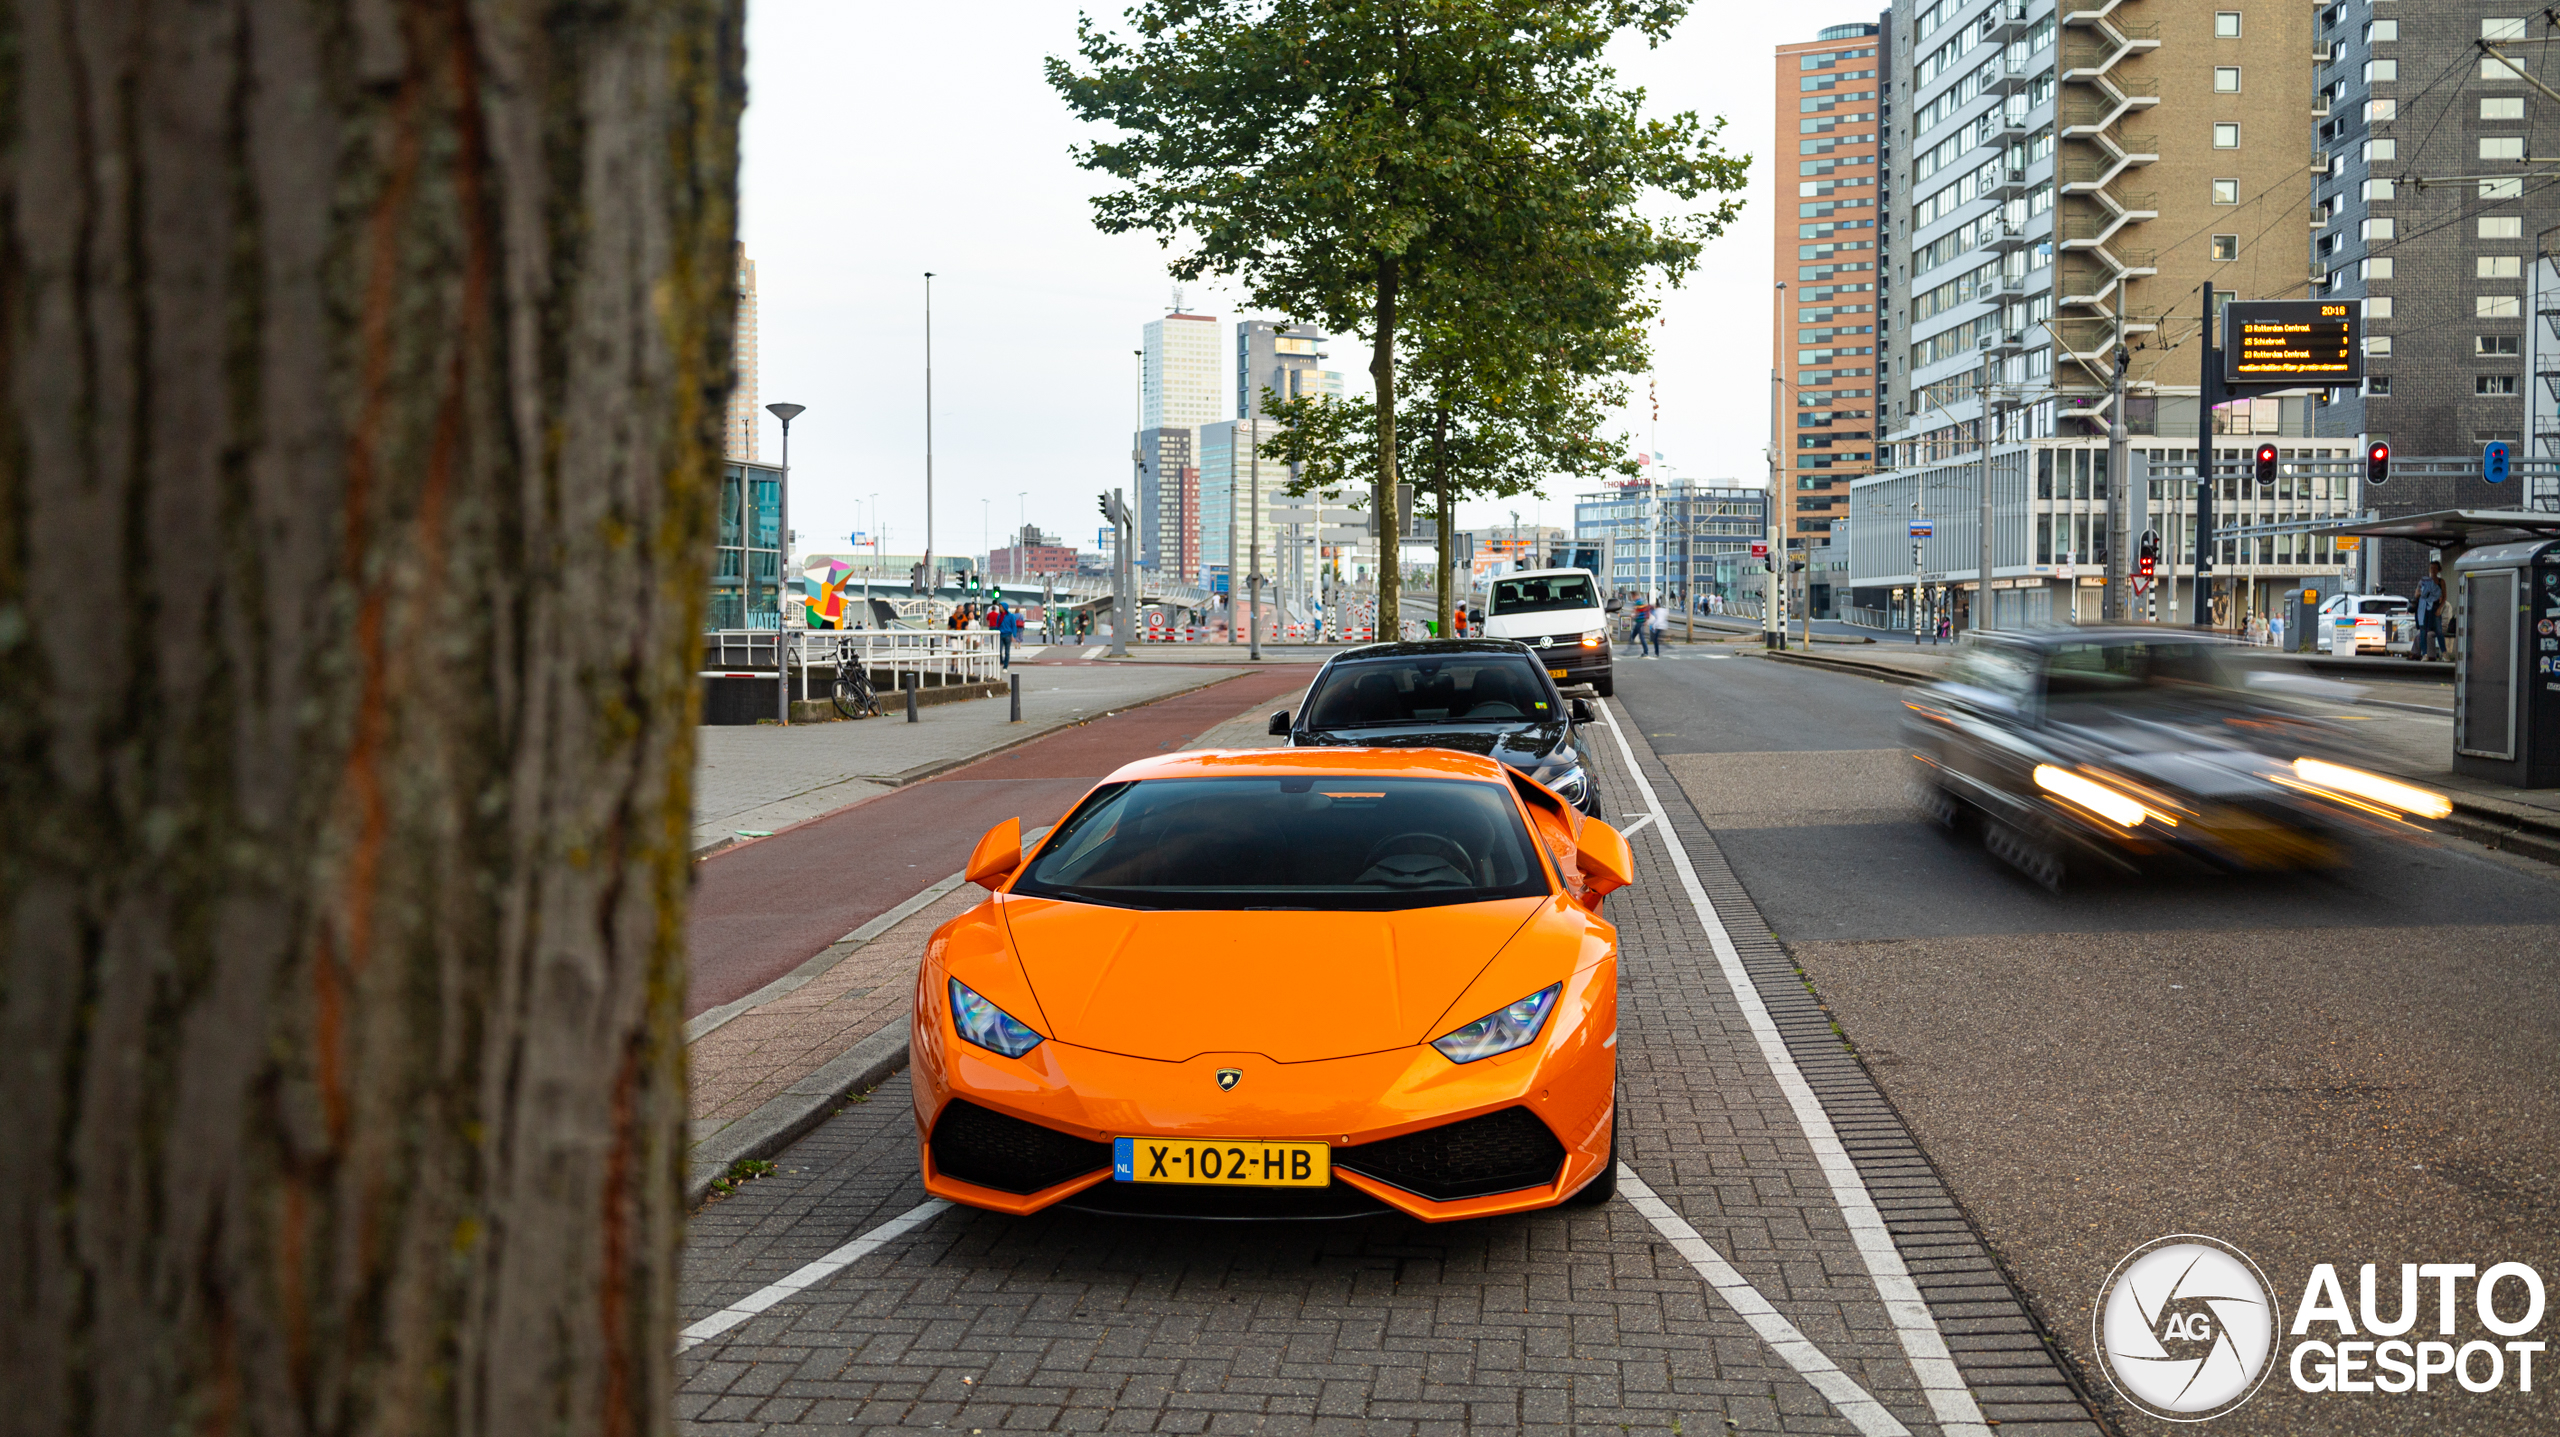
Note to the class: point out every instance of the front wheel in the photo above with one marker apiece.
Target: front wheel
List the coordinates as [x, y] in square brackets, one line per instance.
[1605, 1186]
[1606, 686]
[854, 696]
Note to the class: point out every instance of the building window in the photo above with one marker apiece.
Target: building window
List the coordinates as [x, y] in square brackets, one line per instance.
[2510, 107]
[2226, 192]
[2502, 189]
[2377, 307]
[2502, 147]
[2493, 384]
[2496, 306]
[2493, 344]
[2226, 247]
[2502, 28]
[2379, 70]
[2381, 227]
[2226, 79]
[2226, 137]
[2382, 32]
[2226, 24]
[2377, 112]
[2379, 268]
[2496, 69]
[2379, 190]
[2377, 385]
[2377, 346]
[2385, 148]
[2499, 266]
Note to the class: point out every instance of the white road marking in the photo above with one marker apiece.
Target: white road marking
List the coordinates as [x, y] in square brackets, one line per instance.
[1810, 1362]
[1922, 1344]
[1634, 828]
[809, 1276]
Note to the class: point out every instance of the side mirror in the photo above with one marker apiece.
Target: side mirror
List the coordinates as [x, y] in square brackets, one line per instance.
[1581, 709]
[1606, 862]
[1280, 724]
[1000, 853]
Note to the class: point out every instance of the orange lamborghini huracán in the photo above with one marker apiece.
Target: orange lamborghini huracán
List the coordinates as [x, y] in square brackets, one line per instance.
[1281, 983]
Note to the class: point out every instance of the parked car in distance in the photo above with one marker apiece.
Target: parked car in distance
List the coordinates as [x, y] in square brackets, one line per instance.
[1558, 613]
[2385, 623]
[1487, 696]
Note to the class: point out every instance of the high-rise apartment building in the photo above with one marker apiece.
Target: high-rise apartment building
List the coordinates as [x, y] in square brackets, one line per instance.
[2429, 208]
[1282, 360]
[2070, 182]
[744, 412]
[1181, 386]
[1832, 201]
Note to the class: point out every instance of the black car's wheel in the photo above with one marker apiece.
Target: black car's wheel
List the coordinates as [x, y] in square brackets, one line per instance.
[1942, 807]
[1605, 1186]
[2031, 854]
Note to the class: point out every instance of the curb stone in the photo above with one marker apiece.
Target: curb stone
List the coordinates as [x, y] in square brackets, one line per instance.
[784, 1119]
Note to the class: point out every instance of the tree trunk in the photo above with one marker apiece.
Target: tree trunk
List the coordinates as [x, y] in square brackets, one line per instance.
[365, 367]
[1382, 369]
[1448, 525]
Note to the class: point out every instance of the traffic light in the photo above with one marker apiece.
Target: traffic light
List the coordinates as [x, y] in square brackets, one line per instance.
[2266, 467]
[2149, 558]
[2495, 459]
[2377, 463]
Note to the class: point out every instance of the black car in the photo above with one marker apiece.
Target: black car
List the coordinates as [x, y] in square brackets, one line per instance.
[1488, 696]
[2133, 750]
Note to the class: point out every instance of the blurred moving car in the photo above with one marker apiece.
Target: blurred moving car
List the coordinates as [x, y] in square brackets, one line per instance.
[2385, 623]
[2133, 750]
[1557, 613]
[1280, 983]
[1487, 696]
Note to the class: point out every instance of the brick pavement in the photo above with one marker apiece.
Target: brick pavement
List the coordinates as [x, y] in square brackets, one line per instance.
[1562, 1321]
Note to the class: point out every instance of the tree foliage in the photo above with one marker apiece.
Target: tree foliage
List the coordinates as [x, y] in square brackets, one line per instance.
[1467, 168]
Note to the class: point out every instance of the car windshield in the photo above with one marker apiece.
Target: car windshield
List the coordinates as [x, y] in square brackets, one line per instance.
[2135, 671]
[1470, 688]
[1539, 595]
[1290, 842]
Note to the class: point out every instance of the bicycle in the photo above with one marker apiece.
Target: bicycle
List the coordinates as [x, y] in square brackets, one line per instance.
[854, 696]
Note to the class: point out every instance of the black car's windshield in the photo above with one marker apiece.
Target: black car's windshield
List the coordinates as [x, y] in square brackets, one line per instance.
[1538, 595]
[1353, 843]
[2135, 671]
[1470, 688]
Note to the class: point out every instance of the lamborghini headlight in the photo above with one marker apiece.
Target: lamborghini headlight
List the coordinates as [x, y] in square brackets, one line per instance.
[1501, 1030]
[987, 1025]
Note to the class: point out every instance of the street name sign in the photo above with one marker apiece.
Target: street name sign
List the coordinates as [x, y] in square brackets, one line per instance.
[2279, 343]
[1923, 528]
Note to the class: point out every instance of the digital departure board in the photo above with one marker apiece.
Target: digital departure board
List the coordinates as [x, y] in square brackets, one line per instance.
[2280, 343]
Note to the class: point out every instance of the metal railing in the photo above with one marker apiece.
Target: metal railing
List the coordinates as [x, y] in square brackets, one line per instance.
[1867, 618]
[943, 656]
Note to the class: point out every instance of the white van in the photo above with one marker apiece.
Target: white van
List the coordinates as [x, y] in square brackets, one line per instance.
[1557, 613]
[2384, 623]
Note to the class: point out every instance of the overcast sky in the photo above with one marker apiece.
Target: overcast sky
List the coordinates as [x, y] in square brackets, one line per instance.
[883, 141]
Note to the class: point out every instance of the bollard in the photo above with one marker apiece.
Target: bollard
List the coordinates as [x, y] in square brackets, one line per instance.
[908, 682]
[1017, 697]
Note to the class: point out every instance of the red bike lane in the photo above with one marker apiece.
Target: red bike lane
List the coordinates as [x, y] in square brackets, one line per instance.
[764, 908]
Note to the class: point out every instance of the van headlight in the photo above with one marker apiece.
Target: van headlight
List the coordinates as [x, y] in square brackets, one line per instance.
[1595, 638]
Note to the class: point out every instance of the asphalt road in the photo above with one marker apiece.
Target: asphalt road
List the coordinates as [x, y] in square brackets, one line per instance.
[2361, 1068]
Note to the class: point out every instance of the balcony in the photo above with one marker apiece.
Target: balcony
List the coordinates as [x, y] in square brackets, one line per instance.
[2007, 21]
[2319, 162]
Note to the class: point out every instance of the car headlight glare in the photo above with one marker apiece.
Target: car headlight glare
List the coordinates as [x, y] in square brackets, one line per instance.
[2407, 797]
[987, 1025]
[1510, 1026]
[1595, 638]
[2099, 799]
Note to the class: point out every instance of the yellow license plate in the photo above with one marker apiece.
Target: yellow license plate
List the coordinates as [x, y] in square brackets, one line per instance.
[1555, 673]
[1230, 1162]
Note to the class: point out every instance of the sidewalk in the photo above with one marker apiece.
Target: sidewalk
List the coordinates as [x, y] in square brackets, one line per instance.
[847, 1005]
[749, 781]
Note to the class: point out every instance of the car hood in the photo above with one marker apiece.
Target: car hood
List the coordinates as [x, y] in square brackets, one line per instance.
[1293, 987]
[1524, 747]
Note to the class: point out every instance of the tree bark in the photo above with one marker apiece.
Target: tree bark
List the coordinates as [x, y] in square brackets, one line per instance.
[1382, 369]
[364, 372]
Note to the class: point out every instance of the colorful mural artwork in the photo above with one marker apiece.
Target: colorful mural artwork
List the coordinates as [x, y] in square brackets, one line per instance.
[823, 595]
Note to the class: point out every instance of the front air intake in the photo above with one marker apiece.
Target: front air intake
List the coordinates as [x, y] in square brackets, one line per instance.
[978, 1145]
[1496, 1153]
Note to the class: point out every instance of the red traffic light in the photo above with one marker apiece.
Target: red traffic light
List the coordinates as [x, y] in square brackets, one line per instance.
[2266, 468]
[2147, 563]
[2377, 462]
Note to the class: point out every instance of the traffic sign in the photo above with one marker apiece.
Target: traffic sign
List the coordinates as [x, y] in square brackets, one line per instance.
[1759, 548]
[2496, 461]
[1923, 528]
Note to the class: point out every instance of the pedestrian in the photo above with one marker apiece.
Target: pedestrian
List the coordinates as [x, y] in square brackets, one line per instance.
[2430, 641]
[1006, 623]
[1656, 619]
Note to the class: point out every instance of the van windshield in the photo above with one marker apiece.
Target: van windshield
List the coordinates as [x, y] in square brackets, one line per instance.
[1544, 593]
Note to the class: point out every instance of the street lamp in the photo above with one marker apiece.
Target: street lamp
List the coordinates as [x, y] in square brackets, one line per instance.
[782, 557]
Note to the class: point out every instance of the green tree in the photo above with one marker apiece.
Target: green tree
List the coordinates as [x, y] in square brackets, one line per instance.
[1347, 159]
[366, 369]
